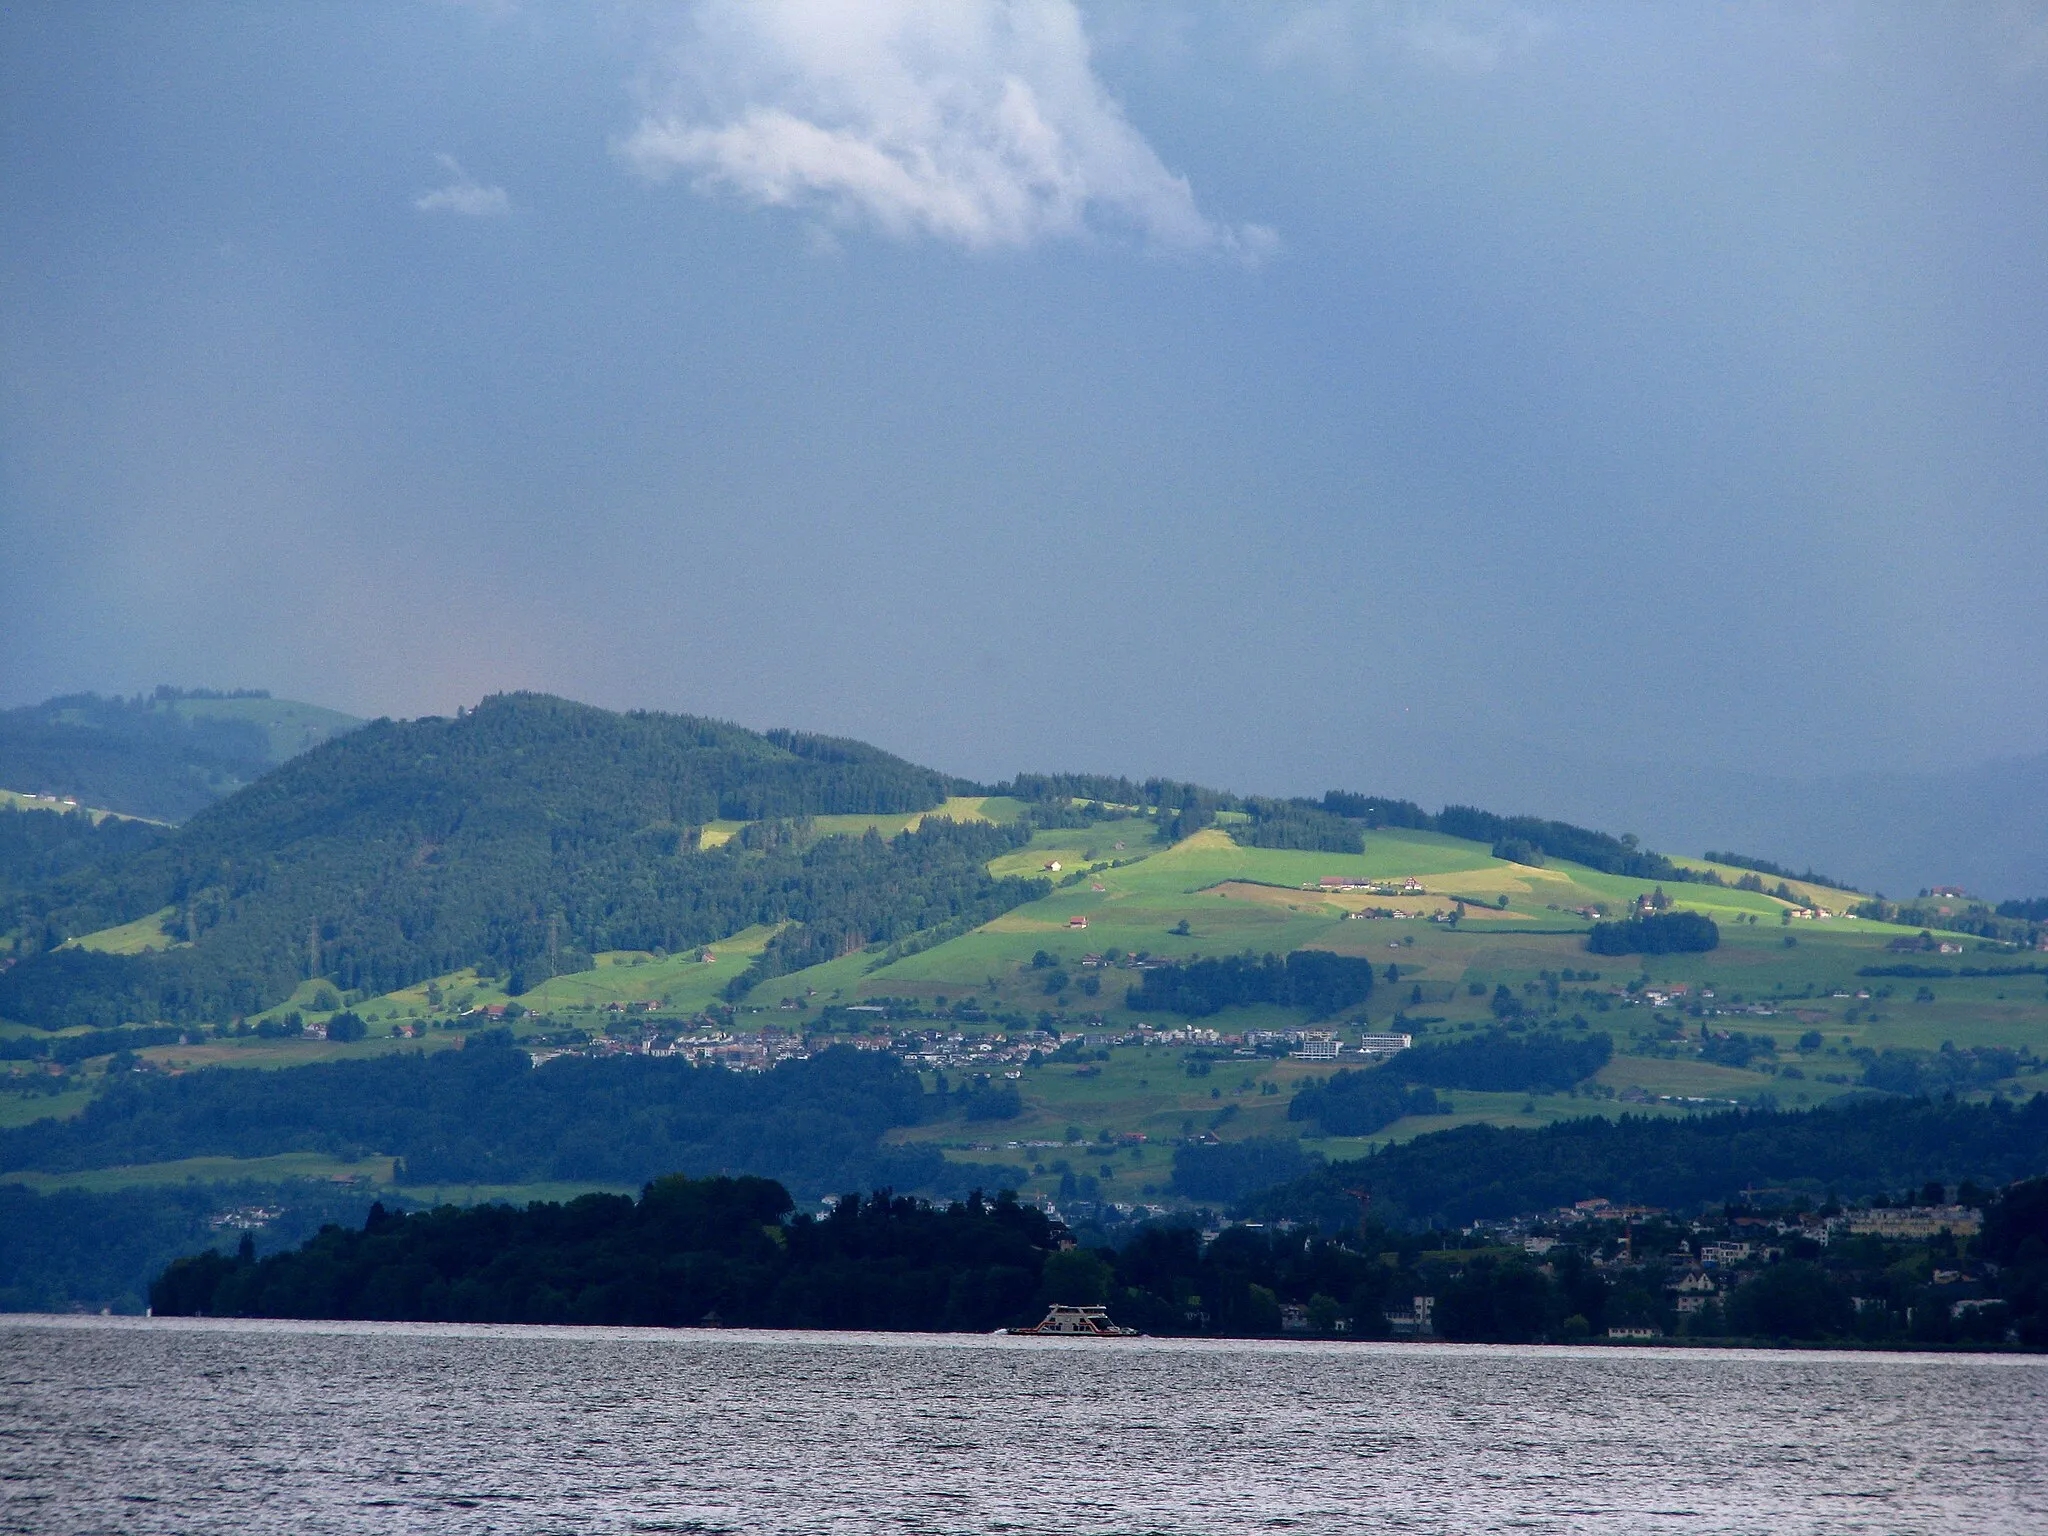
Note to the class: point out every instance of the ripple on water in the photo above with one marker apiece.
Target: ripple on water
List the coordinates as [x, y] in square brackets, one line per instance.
[188, 1426]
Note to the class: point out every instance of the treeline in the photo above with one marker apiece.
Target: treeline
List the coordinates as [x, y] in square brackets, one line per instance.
[1167, 1281]
[1353, 1103]
[1560, 840]
[1779, 871]
[1657, 933]
[1336, 823]
[1360, 1102]
[79, 1251]
[1971, 917]
[1297, 824]
[1945, 972]
[67, 1049]
[1858, 1147]
[1502, 1062]
[868, 890]
[1946, 1071]
[38, 846]
[1533, 837]
[484, 1115]
[1315, 979]
[732, 1252]
[687, 1252]
[1227, 1171]
[519, 838]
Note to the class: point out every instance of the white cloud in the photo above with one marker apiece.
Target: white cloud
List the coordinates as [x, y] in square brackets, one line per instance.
[463, 195]
[977, 122]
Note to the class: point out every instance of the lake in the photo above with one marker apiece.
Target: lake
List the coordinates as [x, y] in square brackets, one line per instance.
[133, 1425]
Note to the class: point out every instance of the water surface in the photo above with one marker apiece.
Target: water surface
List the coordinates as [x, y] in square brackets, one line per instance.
[128, 1425]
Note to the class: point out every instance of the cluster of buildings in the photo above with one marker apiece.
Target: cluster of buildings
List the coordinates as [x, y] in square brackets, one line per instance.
[708, 1044]
[1408, 886]
[1713, 1256]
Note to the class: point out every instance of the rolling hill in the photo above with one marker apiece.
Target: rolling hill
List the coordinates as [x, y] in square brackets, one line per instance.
[521, 836]
[1072, 968]
[162, 756]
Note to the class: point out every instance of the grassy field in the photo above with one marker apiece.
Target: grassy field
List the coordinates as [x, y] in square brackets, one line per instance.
[1233, 899]
[1802, 971]
[1208, 896]
[994, 808]
[255, 1052]
[212, 1170]
[682, 983]
[136, 938]
[20, 1108]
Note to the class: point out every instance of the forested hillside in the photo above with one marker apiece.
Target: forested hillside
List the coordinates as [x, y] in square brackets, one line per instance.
[40, 846]
[724, 1251]
[1478, 1172]
[732, 1252]
[78, 1251]
[520, 836]
[484, 1115]
[164, 755]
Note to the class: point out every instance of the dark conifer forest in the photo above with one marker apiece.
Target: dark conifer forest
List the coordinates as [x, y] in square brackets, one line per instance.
[484, 1115]
[1859, 1147]
[733, 1252]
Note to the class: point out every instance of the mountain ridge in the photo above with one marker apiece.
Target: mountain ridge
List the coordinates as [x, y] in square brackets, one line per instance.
[162, 756]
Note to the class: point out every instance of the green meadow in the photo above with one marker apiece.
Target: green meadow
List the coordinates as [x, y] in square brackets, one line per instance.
[138, 937]
[1120, 889]
[993, 808]
[211, 1170]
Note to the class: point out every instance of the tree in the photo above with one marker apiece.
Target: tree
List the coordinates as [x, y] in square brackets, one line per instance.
[1075, 1277]
[1795, 1299]
[1661, 933]
[1261, 1310]
[1353, 1103]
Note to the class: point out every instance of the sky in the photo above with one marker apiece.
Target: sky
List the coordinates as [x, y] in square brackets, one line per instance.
[1512, 402]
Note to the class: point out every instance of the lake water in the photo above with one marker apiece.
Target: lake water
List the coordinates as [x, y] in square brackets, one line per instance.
[129, 1425]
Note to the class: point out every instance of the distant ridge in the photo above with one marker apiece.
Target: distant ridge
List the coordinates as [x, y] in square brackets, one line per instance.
[526, 836]
[161, 756]
[522, 836]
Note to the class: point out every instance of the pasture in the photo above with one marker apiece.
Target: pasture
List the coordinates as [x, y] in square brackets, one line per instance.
[1790, 983]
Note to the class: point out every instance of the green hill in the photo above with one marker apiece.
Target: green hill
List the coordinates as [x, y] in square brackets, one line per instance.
[162, 756]
[606, 883]
[520, 837]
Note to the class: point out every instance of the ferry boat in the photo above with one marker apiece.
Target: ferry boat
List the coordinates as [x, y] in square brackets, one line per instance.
[1075, 1323]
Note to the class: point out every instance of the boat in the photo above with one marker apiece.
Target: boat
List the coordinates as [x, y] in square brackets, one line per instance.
[1075, 1323]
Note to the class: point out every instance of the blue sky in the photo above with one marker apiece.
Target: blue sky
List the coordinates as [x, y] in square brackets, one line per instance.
[1454, 400]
